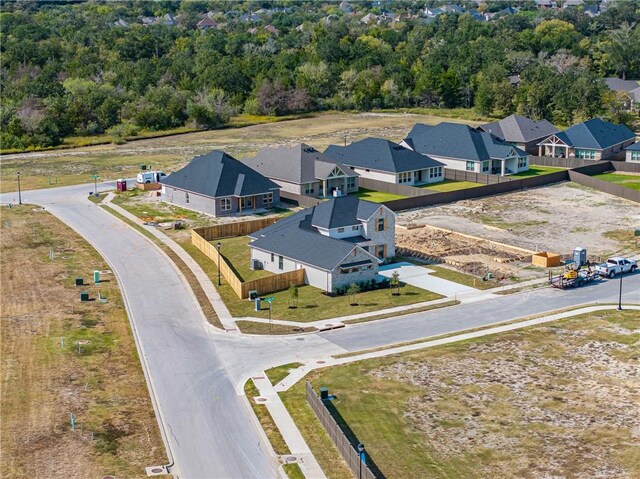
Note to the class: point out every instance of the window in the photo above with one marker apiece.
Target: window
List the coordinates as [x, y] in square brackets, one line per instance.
[380, 250]
[485, 166]
[380, 224]
[186, 197]
[471, 166]
[267, 199]
[340, 230]
[355, 228]
[273, 257]
[522, 162]
[435, 172]
[308, 189]
[406, 177]
[586, 154]
[635, 156]
[246, 202]
[225, 204]
[351, 182]
[280, 262]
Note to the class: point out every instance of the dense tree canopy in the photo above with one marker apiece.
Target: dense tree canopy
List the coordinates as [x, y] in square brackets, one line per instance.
[82, 68]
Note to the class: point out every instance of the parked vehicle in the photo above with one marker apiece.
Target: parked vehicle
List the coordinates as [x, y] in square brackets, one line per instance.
[150, 176]
[615, 266]
[573, 276]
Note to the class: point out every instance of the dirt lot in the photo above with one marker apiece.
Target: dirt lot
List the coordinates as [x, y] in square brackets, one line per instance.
[171, 153]
[47, 374]
[554, 401]
[555, 218]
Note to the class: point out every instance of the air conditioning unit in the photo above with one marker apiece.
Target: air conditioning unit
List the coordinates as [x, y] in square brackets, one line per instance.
[256, 264]
[253, 294]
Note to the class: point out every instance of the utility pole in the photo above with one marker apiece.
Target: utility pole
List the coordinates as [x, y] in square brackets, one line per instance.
[19, 191]
[620, 294]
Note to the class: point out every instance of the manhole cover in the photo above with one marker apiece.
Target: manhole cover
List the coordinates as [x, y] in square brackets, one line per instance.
[157, 470]
[261, 399]
[290, 459]
[320, 362]
[109, 477]
[300, 339]
[257, 377]
[329, 325]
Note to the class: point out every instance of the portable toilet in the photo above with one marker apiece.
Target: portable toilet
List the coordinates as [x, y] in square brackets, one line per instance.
[580, 256]
[96, 277]
[121, 185]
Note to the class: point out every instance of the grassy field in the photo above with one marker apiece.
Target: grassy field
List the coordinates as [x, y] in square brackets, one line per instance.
[461, 278]
[451, 185]
[546, 401]
[376, 196]
[46, 377]
[170, 153]
[278, 373]
[628, 181]
[137, 202]
[536, 171]
[237, 253]
[313, 305]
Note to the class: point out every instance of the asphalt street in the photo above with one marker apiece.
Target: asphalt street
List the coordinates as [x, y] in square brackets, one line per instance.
[208, 426]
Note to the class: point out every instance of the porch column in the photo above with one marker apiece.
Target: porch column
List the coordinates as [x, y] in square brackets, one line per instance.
[240, 204]
[345, 189]
[553, 150]
[503, 164]
[254, 203]
[324, 188]
[540, 150]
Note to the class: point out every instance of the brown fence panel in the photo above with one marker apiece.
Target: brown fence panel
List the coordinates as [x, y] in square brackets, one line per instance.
[626, 167]
[271, 284]
[347, 450]
[239, 228]
[559, 162]
[605, 186]
[299, 200]
[393, 188]
[595, 168]
[225, 269]
[482, 178]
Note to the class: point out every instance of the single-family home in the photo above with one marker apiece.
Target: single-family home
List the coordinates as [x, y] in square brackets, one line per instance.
[303, 170]
[572, 3]
[593, 139]
[369, 18]
[384, 160]
[521, 131]
[206, 24]
[461, 147]
[633, 152]
[628, 92]
[338, 242]
[546, 4]
[219, 185]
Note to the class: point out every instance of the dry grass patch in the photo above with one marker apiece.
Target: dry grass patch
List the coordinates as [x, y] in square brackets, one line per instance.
[45, 378]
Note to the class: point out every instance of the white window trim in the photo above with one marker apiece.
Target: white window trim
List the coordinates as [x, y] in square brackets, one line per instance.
[225, 204]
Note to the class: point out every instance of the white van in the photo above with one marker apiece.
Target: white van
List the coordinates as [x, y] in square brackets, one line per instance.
[150, 176]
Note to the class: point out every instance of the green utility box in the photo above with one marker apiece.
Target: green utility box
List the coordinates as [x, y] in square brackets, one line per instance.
[324, 393]
[96, 277]
[79, 281]
[84, 296]
[143, 167]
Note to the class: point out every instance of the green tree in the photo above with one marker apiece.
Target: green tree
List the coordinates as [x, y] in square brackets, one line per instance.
[352, 293]
[210, 110]
[293, 296]
[394, 282]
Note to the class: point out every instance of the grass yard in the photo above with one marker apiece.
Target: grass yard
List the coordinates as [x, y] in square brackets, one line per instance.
[451, 185]
[536, 171]
[45, 377]
[628, 181]
[140, 204]
[278, 373]
[461, 278]
[313, 305]
[237, 252]
[553, 400]
[376, 196]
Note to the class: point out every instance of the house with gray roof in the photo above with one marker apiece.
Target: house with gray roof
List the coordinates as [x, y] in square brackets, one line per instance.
[219, 185]
[387, 161]
[461, 147]
[593, 139]
[633, 152]
[338, 242]
[303, 170]
[628, 92]
[521, 131]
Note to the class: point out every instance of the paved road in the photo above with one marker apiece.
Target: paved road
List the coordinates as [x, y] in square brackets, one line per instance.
[207, 424]
[466, 316]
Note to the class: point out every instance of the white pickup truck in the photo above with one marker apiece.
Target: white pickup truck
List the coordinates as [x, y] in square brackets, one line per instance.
[615, 266]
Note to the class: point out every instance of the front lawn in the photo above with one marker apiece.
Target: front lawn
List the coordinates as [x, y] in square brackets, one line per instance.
[376, 196]
[451, 185]
[628, 181]
[537, 171]
[137, 202]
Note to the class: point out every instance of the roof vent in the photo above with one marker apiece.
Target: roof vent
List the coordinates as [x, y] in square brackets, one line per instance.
[309, 150]
[398, 147]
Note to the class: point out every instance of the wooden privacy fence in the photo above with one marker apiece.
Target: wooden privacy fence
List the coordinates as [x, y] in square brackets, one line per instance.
[299, 200]
[458, 175]
[347, 450]
[268, 284]
[605, 186]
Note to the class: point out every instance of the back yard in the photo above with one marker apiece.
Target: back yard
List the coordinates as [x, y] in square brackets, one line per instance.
[628, 181]
[451, 185]
[62, 357]
[559, 400]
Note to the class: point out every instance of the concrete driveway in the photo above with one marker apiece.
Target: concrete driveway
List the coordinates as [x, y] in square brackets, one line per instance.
[419, 277]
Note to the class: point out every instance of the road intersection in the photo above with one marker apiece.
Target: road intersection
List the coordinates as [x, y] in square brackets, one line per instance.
[195, 372]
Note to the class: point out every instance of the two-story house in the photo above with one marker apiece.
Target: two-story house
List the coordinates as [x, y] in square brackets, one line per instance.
[338, 242]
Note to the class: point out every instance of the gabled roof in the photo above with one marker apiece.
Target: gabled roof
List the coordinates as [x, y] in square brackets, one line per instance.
[634, 147]
[381, 155]
[519, 129]
[595, 134]
[617, 84]
[455, 140]
[296, 164]
[342, 211]
[217, 174]
[297, 236]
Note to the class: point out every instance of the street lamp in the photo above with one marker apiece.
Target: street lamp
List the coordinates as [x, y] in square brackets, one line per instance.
[362, 459]
[218, 245]
[19, 192]
[620, 294]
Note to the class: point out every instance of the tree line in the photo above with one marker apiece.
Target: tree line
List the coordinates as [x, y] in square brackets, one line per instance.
[67, 69]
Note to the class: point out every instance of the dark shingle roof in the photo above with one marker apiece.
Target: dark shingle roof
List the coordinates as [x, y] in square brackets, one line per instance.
[297, 164]
[595, 133]
[519, 129]
[218, 174]
[297, 236]
[634, 147]
[455, 140]
[381, 155]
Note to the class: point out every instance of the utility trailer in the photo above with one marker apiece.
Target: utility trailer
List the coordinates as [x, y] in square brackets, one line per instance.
[572, 278]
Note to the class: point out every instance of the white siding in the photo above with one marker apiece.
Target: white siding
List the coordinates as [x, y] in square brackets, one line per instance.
[376, 175]
[455, 164]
